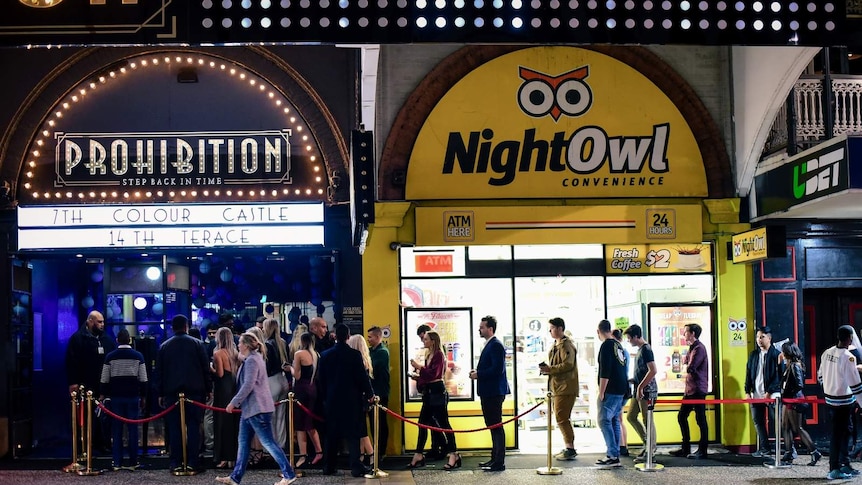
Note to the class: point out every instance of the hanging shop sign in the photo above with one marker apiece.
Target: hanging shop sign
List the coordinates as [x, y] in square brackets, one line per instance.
[758, 244]
[807, 180]
[439, 226]
[551, 122]
[169, 226]
[658, 258]
[173, 160]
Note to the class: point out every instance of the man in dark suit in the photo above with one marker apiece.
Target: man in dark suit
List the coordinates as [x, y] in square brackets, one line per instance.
[345, 390]
[183, 367]
[492, 387]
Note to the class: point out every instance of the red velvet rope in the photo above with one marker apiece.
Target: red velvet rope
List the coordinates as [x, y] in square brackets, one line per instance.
[447, 430]
[740, 401]
[135, 421]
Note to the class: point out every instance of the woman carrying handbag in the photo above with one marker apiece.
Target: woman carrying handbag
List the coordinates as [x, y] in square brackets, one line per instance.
[794, 413]
[434, 412]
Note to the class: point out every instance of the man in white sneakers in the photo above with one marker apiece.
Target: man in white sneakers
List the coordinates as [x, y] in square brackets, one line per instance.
[842, 388]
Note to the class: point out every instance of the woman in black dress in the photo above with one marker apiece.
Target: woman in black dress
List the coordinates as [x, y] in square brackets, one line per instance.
[305, 391]
[225, 425]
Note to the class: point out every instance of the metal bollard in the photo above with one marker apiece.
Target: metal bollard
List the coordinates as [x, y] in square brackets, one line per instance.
[778, 415]
[74, 466]
[549, 470]
[89, 472]
[185, 470]
[649, 465]
[376, 472]
[292, 434]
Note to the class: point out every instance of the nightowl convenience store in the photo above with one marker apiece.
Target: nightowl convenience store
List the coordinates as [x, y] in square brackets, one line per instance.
[563, 182]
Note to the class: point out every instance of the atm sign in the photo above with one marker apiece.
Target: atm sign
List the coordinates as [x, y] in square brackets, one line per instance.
[459, 226]
[434, 263]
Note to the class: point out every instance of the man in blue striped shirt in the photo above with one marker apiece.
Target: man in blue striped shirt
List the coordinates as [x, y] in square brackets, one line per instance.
[124, 381]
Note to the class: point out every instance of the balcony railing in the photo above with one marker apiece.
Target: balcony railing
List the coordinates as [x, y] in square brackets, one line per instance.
[806, 106]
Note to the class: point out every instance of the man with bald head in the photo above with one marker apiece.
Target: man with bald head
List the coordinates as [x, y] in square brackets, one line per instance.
[85, 356]
[322, 339]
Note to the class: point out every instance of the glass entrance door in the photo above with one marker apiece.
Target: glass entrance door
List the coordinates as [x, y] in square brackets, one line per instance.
[580, 302]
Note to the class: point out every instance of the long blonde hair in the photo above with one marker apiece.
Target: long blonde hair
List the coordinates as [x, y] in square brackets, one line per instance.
[251, 340]
[357, 342]
[272, 331]
[224, 340]
[436, 346]
[295, 343]
[261, 339]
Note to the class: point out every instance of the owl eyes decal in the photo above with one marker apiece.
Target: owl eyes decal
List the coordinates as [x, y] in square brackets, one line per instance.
[542, 95]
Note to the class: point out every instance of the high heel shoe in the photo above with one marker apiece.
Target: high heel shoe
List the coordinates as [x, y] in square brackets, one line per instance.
[318, 457]
[815, 457]
[416, 464]
[450, 465]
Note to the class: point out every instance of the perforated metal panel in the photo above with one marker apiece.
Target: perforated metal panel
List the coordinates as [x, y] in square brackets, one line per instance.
[703, 22]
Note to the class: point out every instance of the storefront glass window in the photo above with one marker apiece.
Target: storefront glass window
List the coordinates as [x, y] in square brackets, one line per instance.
[560, 251]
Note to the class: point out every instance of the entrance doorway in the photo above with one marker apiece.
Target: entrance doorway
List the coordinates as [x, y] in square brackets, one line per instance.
[580, 302]
[131, 295]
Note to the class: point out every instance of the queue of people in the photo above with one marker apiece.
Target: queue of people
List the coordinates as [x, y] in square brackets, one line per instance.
[254, 370]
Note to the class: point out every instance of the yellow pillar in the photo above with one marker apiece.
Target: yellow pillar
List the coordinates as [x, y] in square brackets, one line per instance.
[381, 294]
[734, 303]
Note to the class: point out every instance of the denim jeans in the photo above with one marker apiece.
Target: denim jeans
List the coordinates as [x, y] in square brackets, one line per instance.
[261, 426]
[609, 409]
[127, 407]
[759, 417]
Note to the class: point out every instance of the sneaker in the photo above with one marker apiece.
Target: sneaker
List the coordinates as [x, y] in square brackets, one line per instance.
[285, 481]
[837, 475]
[567, 454]
[226, 480]
[758, 454]
[682, 453]
[116, 468]
[847, 470]
[609, 463]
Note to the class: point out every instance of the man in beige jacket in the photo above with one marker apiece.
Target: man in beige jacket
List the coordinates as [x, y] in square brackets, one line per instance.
[562, 372]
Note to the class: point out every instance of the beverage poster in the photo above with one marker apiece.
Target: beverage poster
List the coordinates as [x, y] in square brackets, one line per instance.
[454, 325]
[667, 337]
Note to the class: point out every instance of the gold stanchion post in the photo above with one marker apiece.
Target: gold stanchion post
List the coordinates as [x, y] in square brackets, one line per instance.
[74, 466]
[376, 472]
[88, 472]
[549, 470]
[291, 432]
[650, 465]
[778, 413]
[185, 470]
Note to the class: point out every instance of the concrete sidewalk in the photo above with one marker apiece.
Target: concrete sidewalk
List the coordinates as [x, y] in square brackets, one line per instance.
[721, 468]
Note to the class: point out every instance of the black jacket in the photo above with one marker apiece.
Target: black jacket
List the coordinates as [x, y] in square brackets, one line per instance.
[183, 366]
[771, 375]
[344, 387]
[793, 381]
[83, 359]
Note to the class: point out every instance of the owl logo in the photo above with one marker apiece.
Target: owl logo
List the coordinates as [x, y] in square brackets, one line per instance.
[737, 325]
[566, 94]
